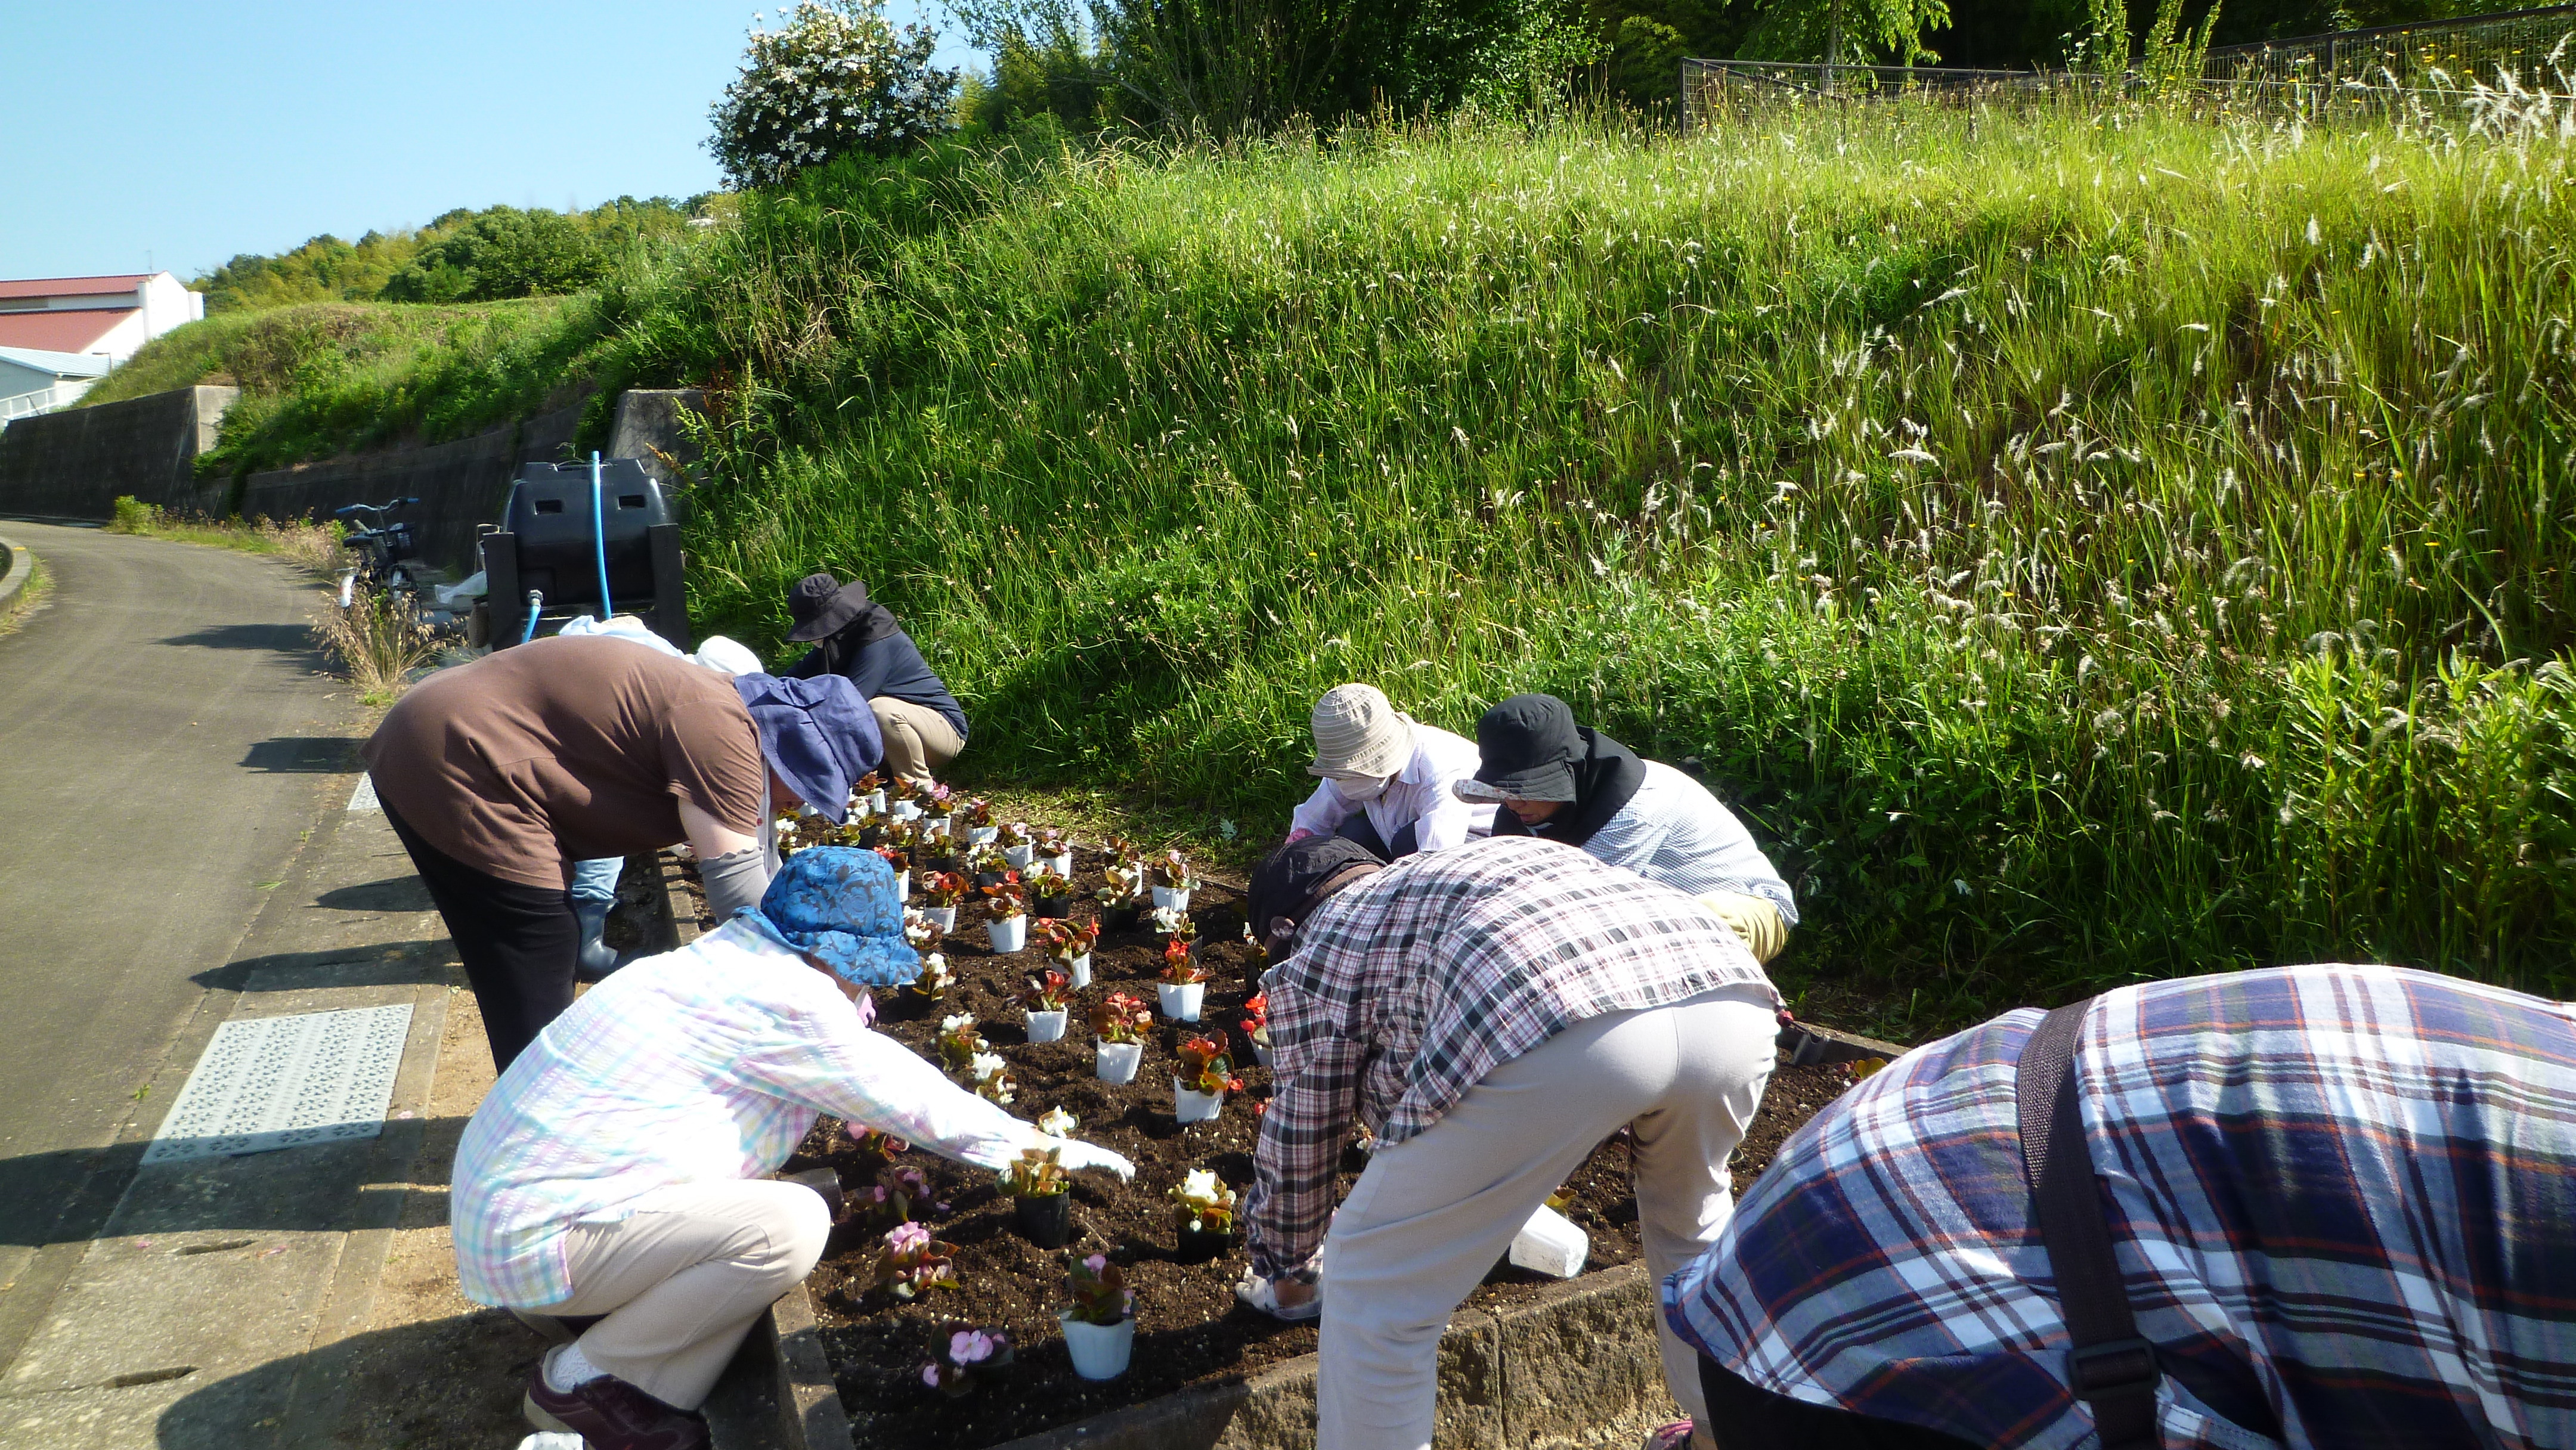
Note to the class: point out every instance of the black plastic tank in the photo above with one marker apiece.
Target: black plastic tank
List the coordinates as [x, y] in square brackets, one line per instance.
[552, 520]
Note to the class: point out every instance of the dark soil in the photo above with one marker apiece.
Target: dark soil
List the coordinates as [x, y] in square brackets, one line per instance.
[1189, 1328]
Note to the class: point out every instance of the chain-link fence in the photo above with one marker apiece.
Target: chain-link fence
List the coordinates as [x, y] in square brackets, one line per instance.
[2466, 61]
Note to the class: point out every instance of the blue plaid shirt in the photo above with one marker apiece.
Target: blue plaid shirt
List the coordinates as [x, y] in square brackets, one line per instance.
[2343, 1198]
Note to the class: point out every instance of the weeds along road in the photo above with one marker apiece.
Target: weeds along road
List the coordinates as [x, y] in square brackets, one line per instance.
[160, 725]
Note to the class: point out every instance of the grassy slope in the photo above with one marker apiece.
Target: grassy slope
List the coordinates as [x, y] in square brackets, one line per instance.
[2084, 549]
[328, 377]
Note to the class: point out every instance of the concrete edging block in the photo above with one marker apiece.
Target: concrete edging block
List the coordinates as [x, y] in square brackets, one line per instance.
[15, 564]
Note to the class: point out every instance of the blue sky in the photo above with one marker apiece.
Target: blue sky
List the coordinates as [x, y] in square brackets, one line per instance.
[149, 134]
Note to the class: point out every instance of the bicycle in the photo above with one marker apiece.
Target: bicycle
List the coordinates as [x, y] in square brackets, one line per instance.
[384, 552]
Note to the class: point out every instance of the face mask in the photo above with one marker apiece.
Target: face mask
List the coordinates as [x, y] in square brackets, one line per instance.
[1359, 792]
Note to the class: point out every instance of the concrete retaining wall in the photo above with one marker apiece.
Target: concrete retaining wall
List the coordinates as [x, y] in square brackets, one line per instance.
[459, 484]
[73, 464]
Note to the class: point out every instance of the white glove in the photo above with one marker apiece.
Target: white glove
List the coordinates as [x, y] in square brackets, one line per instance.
[1078, 1154]
[1263, 1294]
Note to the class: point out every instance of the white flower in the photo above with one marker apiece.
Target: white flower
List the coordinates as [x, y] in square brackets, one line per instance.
[985, 1065]
[949, 1025]
[1200, 1186]
[1057, 1123]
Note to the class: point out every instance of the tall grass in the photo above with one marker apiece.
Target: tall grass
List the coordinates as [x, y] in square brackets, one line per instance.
[2085, 547]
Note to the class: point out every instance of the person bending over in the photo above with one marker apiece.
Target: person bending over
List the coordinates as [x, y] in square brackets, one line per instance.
[498, 775]
[1490, 1013]
[617, 1168]
[858, 639]
[2340, 1212]
[1386, 779]
[1569, 783]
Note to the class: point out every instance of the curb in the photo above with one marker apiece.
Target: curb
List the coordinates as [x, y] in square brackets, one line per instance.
[1576, 1368]
[15, 565]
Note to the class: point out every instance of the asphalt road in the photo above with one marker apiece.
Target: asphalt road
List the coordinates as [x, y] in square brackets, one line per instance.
[161, 725]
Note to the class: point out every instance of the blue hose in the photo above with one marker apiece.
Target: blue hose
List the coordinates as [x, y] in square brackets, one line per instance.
[536, 602]
[599, 535]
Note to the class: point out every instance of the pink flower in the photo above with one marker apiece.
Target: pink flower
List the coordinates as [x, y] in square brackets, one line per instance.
[969, 1346]
[1096, 1262]
[930, 1375]
[907, 1239]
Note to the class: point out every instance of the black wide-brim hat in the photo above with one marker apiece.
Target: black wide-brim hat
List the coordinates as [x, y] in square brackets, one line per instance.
[1529, 745]
[823, 606]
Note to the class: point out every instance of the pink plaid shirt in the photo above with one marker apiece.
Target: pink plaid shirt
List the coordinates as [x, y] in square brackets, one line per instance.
[1406, 989]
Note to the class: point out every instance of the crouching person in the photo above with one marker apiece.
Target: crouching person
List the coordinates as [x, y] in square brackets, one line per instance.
[1490, 1013]
[617, 1167]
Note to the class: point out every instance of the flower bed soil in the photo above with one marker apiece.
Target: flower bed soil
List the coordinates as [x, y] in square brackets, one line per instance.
[1190, 1330]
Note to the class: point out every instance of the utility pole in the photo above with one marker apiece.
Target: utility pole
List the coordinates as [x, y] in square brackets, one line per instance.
[1833, 43]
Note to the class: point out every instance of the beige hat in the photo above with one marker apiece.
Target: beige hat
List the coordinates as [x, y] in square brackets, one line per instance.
[1357, 732]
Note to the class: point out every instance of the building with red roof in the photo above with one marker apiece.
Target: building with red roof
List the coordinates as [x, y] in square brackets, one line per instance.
[77, 328]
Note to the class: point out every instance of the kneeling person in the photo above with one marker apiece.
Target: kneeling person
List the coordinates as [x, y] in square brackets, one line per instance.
[617, 1168]
[1387, 778]
[1490, 1013]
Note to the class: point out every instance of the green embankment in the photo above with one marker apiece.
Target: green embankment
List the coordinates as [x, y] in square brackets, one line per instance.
[2084, 549]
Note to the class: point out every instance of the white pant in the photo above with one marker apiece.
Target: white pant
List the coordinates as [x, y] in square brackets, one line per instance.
[685, 1276]
[1432, 1214]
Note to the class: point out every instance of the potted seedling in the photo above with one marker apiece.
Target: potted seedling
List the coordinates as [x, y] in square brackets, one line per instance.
[910, 1263]
[989, 866]
[952, 1370]
[1017, 843]
[933, 983]
[901, 1194]
[1172, 881]
[974, 821]
[1052, 893]
[1125, 896]
[1057, 1123]
[1119, 1025]
[1201, 1081]
[1046, 1001]
[1008, 927]
[958, 1042]
[1070, 943]
[992, 1078]
[1055, 851]
[942, 890]
[1041, 1206]
[788, 832]
[902, 865]
[1100, 1325]
[1203, 1216]
[867, 794]
[1256, 1026]
[932, 802]
[1183, 984]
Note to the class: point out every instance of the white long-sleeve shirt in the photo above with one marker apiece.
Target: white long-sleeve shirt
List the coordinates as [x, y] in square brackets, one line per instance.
[1673, 831]
[1419, 793]
[704, 1065]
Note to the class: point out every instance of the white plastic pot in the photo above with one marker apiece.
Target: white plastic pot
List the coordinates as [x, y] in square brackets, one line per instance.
[1009, 933]
[1116, 1062]
[935, 825]
[906, 811]
[903, 886]
[1080, 970]
[1261, 1052]
[1181, 1003]
[1192, 1107]
[1062, 865]
[1099, 1351]
[1550, 1244]
[942, 917]
[1046, 1026]
[1177, 900]
[979, 835]
[1018, 856]
[876, 803]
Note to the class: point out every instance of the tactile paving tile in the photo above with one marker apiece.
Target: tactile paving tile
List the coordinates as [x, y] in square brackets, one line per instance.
[280, 1082]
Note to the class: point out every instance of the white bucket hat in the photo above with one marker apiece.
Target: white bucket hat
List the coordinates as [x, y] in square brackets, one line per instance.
[1358, 732]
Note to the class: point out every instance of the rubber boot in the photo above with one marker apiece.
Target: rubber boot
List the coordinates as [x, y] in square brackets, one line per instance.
[597, 958]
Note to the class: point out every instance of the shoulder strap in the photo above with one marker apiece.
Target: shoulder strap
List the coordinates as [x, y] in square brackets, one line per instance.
[2112, 1369]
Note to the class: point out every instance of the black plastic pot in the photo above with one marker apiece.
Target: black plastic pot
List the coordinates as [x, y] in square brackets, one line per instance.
[989, 878]
[1058, 907]
[1197, 1246]
[1122, 918]
[869, 836]
[1045, 1219]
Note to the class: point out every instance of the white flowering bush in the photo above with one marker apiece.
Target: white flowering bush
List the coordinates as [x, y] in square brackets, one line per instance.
[826, 78]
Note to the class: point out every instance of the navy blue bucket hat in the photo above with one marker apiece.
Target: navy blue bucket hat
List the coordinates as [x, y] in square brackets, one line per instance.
[817, 734]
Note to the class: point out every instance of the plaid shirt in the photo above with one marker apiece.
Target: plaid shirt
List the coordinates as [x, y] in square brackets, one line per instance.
[1409, 987]
[2343, 1198]
[705, 1065]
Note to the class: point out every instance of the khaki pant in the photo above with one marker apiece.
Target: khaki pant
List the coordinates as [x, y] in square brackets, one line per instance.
[1760, 923]
[918, 739]
[684, 1277]
[1432, 1214]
